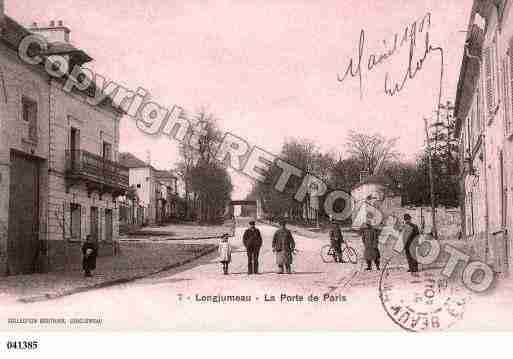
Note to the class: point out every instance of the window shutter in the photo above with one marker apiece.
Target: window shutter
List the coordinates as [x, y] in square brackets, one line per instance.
[510, 100]
[505, 94]
[490, 93]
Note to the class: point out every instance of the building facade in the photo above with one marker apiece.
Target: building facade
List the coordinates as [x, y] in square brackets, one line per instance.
[59, 178]
[484, 113]
[156, 189]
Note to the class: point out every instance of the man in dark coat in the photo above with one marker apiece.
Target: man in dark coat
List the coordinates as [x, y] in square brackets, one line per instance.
[283, 246]
[336, 240]
[252, 240]
[370, 236]
[410, 233]
[89, 252]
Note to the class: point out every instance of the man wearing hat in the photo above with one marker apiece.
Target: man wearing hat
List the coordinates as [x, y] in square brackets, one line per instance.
[410, 233]
[252, 240]
[283, 246]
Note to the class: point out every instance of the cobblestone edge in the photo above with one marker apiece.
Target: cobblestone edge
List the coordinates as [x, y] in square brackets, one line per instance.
[109, 283]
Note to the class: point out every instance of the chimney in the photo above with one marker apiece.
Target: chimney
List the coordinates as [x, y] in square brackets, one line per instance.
[54, 33]
[2, 14]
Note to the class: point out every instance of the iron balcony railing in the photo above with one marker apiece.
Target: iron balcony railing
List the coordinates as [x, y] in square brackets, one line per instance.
[85, 164]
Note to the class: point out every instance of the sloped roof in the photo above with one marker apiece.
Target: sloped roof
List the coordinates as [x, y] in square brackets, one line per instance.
[164, 174]
[13, 33]
[131, 161]
[64, 48]
[379, 180]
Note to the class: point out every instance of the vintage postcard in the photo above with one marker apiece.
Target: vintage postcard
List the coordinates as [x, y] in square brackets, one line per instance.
[287, 165]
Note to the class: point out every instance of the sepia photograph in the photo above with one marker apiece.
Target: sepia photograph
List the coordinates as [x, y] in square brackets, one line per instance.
[229, 166]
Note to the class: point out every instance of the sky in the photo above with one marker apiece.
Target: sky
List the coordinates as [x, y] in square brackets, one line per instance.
[267, 70]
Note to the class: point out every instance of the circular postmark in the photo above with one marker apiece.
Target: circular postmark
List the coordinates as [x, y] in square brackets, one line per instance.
[422, 303]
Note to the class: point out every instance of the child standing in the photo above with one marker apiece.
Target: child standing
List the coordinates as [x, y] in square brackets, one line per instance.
[225, 252]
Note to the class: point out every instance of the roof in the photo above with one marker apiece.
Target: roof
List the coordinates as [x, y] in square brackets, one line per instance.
[470, 64]
[64, 48]
[379, 180]
[12, 35]
[131, 161]
[164, 174]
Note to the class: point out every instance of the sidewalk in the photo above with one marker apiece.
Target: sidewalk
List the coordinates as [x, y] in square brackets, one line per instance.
[180, 231]
[135, 260]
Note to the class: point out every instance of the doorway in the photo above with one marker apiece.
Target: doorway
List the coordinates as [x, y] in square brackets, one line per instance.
[23, 233]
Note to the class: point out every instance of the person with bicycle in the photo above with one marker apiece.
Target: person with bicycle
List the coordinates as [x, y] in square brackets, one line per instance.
[336, 240]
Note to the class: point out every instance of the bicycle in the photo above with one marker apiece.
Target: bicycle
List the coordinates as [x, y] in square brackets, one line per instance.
[348, 255]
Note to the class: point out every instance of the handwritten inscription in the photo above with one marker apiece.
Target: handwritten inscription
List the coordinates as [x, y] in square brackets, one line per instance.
[366, 62]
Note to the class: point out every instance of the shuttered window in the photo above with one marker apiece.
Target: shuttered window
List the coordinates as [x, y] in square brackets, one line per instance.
[488, 67]
[510, 88]
[29, 111]
[76, 219]
[506, 94]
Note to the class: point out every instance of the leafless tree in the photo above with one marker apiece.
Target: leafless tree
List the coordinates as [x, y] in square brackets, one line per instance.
[371, 150]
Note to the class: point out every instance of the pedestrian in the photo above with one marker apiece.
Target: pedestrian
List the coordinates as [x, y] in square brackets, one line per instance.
[336, 240]
[370, 236]
[225, 252]
[89, 254]
[252, 240]
[283, 245]
[410, 233]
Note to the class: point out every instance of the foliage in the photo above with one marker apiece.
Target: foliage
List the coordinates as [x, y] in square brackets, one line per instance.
[207, 182]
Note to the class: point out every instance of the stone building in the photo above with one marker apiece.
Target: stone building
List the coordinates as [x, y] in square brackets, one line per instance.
[59, 178]
[157, 190]
[484, 112]
[373, 194]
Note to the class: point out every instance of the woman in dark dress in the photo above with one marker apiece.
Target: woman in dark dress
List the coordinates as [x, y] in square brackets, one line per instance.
[89, 252]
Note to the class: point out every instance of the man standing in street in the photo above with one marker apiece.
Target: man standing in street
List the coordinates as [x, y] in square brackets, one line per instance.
[370, 236]
[410, 233]
[252, 240]
[283, 246]
[336, 241]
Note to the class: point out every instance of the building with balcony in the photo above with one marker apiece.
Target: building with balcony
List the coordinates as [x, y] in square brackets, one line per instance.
[59, 175]
[484, 113]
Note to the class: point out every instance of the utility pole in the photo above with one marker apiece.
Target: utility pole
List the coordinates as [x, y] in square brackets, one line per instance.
[431, 184]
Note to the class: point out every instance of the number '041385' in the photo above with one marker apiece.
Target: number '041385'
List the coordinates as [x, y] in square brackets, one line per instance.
[22, 345]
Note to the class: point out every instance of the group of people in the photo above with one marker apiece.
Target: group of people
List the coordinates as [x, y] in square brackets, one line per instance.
[370, 238]
[283, 246]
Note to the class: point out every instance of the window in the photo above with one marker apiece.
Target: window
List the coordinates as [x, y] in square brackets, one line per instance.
[490, 76]
[478, 113]
[76, 215]
[470, 214]
[107, 151]
[138, 185]
[509, 100]
[29, 112]
[505, 93]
